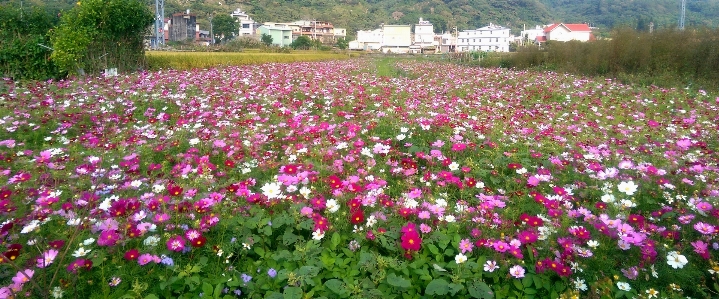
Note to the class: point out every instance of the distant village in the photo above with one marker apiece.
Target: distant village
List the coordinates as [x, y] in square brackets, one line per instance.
[417, 38]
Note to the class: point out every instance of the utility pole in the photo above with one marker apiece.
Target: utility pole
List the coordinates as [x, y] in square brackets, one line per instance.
[684, 10]
[159, 23]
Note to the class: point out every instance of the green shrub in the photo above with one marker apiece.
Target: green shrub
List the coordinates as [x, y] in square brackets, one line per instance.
[22, 37]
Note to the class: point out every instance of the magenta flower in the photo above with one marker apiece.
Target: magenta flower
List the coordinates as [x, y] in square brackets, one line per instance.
[108, 238]
[500, 246]
[176, 243]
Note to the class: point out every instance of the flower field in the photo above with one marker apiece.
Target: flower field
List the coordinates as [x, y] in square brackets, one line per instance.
[330, 179]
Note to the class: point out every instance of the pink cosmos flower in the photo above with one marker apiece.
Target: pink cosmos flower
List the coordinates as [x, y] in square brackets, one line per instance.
[47, 258]
[517, 271]
[23, 277]
[145, 259]
[704, 228]
[466, 245]
[176, 243]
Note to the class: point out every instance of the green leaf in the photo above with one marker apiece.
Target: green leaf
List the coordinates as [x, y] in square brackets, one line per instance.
[454, 288]
[438, 268]
[335, 240]
[337, 287]
[479, 289]
[152, 296]
[433, 249]
[530, 291]
[437, 287]
[537, 281]
[527, 281]
[288, 238]
[397, 281]
[260, 251]
[273, 295]
[292, 293]
[207, 289]
[267, 230]
[518, 284]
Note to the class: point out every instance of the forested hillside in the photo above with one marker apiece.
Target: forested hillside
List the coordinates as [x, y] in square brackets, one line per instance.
[445, 14]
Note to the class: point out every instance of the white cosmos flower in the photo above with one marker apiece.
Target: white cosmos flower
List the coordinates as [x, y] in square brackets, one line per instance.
[627, 188]
[676, 260]
[460, 258]
[318, 235]
[80, 252]
[271, 190]
[332, 205]
[623, 286]
[454, 166]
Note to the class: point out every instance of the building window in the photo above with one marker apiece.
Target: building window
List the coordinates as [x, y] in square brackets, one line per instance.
[246, 26]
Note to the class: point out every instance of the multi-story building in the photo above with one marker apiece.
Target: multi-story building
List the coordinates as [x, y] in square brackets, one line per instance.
[529, 36]
[492, 38]
[281, 33]
[424, 34]
[396, 38]
[247, 25]
[183, 26]
[367, 40]
[317, 30]
[447, 43]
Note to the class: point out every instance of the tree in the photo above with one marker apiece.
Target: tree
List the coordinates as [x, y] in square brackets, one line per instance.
[225, 26]
[266, 39]
[302, 42]
[99, 34]
[343, 43]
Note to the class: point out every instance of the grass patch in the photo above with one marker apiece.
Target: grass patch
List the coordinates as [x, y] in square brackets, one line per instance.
[190, 60]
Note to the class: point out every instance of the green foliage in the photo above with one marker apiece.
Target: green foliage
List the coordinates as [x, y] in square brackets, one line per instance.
[266, 39]
[343, 43]
[22, 36]
[302, 42]
[225, 26]
[666, 57]
[96, 35]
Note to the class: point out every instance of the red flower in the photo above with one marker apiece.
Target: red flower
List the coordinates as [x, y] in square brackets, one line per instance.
[57, 244]
[334, 181]
[411, 241]
[199, 242]
[132, 254]
[321, 223]
[174, 190]
[229, 163]
[357, 217]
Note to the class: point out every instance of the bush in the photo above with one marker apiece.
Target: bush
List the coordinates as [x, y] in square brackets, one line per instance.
[21, 35]
[667, 57]
[98, 34]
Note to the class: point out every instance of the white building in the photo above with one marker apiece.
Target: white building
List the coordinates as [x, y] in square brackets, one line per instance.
[247, 25]
[424, 34]
[396, 38]
[448, 43]
[529, 36]
[492, 38]
[367, 40]
[566, 32]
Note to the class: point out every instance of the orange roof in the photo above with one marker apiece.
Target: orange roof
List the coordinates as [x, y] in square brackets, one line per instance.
[541, 39]
[570, 27]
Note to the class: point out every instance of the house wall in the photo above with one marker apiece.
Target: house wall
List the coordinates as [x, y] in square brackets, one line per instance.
[280, 36]
[396, 36]
[562, 34]
[490, 38]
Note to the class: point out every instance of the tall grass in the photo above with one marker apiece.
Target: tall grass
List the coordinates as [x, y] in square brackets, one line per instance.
[190, 60]
[666, 57]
